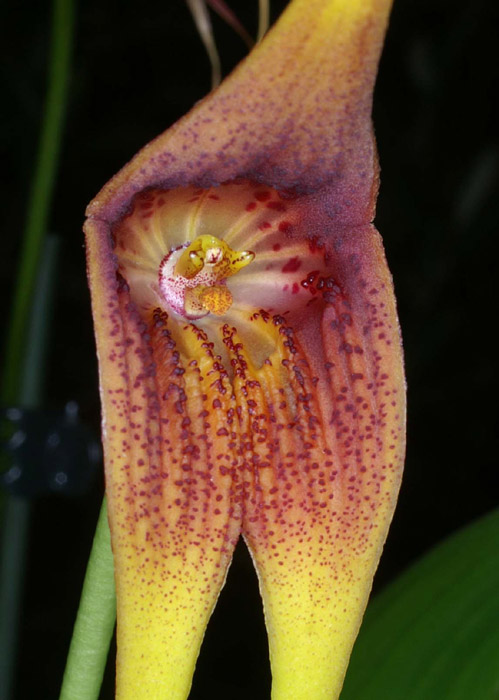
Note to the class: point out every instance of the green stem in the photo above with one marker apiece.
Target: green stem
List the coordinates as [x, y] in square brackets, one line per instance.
[94, 625]
[263, 18]
[202, 21]
[17, 510]
[12, 567]
[21, 381]
[41, 195]
[30, 391]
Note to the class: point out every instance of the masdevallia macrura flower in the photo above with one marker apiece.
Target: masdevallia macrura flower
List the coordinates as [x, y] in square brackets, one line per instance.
[250, 359]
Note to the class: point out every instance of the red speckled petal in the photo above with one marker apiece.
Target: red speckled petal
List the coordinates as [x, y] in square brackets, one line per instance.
[317, 520]
[172, 498]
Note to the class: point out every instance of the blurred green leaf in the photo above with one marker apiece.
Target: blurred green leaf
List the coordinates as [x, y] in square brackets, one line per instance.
[433, 633]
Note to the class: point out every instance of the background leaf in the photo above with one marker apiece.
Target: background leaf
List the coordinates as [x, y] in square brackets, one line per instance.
[434, 632]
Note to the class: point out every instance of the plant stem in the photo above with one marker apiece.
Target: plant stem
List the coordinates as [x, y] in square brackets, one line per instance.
[202, 21]
[263, 18]
[23, 369]
[17, 510]
[12, 565]
[41, 196]
[94, 625]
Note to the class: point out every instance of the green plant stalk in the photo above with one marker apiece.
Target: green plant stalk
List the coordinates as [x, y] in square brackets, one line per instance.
[263, 18]
[17, 510]
[202, 21]
[94, 625]
[12, 566]
[40, 197]
[22, 372]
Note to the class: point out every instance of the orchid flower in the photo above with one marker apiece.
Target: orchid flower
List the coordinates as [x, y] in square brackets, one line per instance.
[250, 359]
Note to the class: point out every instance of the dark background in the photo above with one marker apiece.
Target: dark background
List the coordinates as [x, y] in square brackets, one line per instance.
[137, 67]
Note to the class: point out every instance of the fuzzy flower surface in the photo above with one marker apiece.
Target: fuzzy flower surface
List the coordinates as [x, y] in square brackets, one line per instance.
[250, 359]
